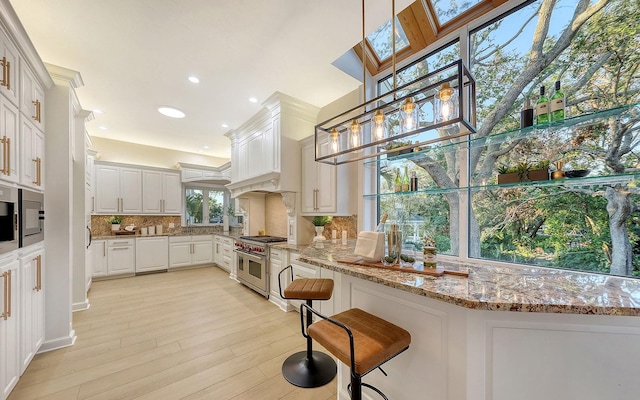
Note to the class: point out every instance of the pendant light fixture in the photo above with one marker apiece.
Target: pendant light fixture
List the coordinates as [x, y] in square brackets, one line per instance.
[445, 103]
[390, 122]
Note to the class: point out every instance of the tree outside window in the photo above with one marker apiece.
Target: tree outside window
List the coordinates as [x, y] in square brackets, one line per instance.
[593, 48]
[201, 202]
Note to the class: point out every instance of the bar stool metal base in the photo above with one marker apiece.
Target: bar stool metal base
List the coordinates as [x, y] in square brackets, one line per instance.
[309, 373]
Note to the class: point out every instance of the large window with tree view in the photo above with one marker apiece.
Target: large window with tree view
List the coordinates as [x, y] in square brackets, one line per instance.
[589, 223]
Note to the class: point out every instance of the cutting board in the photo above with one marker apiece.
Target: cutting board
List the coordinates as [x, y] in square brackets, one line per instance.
[439, 271]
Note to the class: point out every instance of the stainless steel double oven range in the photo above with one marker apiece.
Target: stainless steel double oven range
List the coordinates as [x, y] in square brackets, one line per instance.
[21, 218]
[253, 261]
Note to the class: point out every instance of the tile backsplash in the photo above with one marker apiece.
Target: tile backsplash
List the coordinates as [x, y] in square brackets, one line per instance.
[101, 227]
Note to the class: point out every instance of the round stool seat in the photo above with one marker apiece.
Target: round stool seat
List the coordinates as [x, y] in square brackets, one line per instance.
[309, 289]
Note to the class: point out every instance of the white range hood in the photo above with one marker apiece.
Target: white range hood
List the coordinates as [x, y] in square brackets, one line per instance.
[265, 150]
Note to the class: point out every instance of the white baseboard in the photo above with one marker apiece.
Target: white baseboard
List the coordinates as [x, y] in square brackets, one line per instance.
[58, 343]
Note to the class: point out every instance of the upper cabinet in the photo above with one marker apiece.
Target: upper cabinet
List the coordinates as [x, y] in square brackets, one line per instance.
[200, 173]
[326, 188]
[265, 153]
[127, 189]
[118, 189]
[9, 157]
[32, 155]
[31, 97]
[161, 192]
[9, 65]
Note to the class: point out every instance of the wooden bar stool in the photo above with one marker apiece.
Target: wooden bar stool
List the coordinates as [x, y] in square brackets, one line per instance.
[307, 369]
[360, 340]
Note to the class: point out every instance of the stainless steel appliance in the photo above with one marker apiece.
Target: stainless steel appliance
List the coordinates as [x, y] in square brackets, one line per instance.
[31, 210]
[8, 219]
[253, 261]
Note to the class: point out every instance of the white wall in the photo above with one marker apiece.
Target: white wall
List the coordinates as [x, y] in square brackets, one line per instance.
[137, 154]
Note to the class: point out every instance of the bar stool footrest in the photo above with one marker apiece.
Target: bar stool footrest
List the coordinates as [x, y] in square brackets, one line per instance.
[305, 373]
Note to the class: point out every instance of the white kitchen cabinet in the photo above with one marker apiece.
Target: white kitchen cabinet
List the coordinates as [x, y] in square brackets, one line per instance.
[162, 192]
[223, 252]
[31, 306]
[9, 83]
[118, 190]
[326, 189]
[32, 157]
[152, 254]
[31, 97]
[190, 250]
[121, 256]
[99, 258]
[9, 326]
[277, 261]
[9, 156]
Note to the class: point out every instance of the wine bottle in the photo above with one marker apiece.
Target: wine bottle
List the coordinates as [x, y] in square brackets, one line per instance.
[397, 186]
[383, 220]
[405, 181]
[556, 105]
[526, 115]
[542, 108]
[414, 181]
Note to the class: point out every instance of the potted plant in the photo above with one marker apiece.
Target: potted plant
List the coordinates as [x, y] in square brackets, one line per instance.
[115, 221]
[524, 172]
[319, 222]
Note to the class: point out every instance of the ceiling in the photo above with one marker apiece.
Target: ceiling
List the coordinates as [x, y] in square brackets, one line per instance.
[136, 55]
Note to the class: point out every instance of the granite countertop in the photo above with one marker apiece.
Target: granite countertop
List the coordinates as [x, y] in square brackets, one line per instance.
[497, 288]
[290, 247]
[181, 233]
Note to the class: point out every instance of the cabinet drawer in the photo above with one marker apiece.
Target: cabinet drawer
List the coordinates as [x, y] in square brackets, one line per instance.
[120, 242]
[179, 239]
[227, 241]
[305, 271]
[275, 254]
[202, 238]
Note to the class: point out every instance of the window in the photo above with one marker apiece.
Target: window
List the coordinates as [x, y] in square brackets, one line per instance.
[205, 205]
[588, 225]
[379, 40]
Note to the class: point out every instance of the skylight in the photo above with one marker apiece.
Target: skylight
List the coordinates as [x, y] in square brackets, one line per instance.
[446, 10]
[380, 43]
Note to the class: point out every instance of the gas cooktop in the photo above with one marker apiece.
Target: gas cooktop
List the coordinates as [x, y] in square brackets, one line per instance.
[264, 239]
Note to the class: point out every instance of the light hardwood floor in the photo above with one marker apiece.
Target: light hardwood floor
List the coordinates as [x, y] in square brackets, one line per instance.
[190, 334]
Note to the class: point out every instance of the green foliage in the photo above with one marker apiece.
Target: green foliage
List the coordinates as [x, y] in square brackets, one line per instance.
[115, 219]
[321, 220]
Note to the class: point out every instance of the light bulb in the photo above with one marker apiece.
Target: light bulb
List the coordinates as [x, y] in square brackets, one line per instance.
[355, 134]
[379, 127]
[445, 103]
[334, 141]
[409, 115]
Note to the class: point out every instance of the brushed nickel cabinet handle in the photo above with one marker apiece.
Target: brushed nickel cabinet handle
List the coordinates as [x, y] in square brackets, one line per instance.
[37, 271]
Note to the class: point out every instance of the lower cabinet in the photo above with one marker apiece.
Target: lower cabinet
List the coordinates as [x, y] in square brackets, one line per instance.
[31, 306]
[9, 326]
[190, 250]
[223, 252]
[113, 257]
[121, 258]
[152, 254]
[22, 283]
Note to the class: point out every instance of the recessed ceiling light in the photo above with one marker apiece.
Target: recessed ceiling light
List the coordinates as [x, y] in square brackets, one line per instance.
[206, 147]
[96, 111]
[194, 79]
[253, 99]
[102, 127]
[171, 112]
[225, 125]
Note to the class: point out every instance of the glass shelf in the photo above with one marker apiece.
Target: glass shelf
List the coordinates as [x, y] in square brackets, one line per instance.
[431, 191]
[568, 124]
[574, 122]
[565, 183]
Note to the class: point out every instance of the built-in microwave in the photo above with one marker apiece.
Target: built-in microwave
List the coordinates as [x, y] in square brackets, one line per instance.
[8, 219]
[31, 212]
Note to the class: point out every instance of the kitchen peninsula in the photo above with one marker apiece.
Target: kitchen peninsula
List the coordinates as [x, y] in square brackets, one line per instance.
[505, 332]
